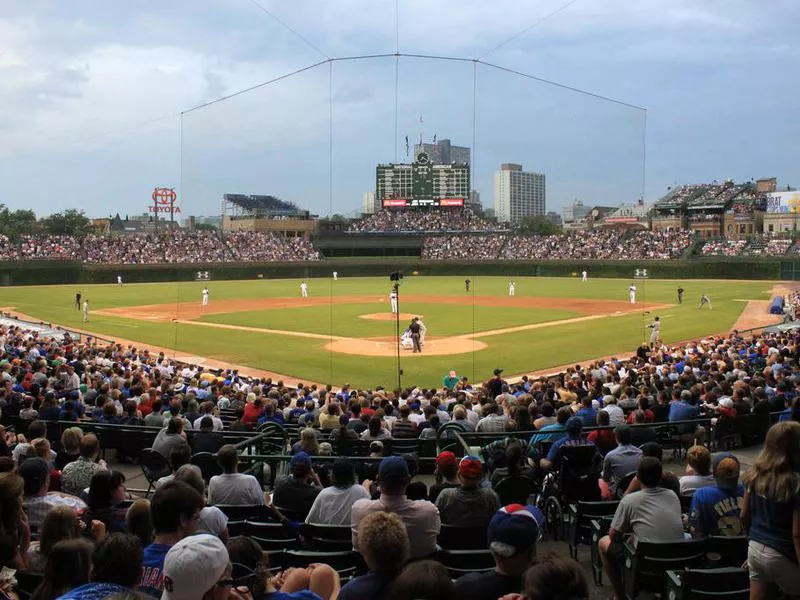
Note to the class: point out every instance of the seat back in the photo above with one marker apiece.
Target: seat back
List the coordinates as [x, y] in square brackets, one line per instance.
[727, 583]
[154, 464]
[462, 538]
[271, 529]
[646, 567]
[461, 562]
[27, 582]
[727, 551]
[624, 483]
[515, 489]
[327, 537]
[580, 470]
[209, 466]
[243, 512]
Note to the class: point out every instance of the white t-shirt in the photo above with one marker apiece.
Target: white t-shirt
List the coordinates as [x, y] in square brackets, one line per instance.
[333, 505]
[234, 488]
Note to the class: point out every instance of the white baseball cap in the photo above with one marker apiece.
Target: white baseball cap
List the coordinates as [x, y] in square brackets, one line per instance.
[193, 566]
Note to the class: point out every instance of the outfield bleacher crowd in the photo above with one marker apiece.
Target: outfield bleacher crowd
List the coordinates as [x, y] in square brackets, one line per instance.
[590, 245]
[423, 221]
[264, 490]
[174, 246]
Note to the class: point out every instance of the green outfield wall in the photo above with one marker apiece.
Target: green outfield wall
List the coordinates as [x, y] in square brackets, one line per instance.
[66, 272]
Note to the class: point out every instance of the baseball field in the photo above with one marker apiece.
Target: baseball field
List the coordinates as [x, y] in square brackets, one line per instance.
[344, 332]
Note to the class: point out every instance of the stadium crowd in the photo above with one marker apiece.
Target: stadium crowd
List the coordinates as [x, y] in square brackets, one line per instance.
[723, 248]
[66, 515]
[588, 245]
[175, 246]
[422, 221]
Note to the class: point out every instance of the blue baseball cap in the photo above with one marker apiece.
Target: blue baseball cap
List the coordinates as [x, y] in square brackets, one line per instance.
[574, 425]
[517, 526]
[300, 462]
[393, 468]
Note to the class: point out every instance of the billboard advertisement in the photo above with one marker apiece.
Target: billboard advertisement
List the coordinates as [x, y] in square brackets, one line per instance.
[165, 200]
[783, 202]
[421, 202]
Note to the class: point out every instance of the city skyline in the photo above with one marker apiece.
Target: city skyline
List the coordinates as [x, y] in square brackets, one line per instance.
[92, 94]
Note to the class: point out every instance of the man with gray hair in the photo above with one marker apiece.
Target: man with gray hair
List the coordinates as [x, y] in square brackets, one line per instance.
[512, 535]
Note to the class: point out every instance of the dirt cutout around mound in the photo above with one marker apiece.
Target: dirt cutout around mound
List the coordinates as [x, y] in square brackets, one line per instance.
[382, 316]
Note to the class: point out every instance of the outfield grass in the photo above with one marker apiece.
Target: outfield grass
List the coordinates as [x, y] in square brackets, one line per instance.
[306, 358]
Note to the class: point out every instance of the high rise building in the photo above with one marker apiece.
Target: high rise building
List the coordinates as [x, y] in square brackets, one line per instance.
[443, 152]
[574, 212]
[517, 193]
[369, 204]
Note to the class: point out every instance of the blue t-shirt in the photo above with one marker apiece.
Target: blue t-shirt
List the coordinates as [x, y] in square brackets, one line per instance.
[301, 595]
[715, 511]
[94, 591]
[152, 581]
[554, 455]
[542, 436]
[771, 523]
[588, 416]
[371, 585]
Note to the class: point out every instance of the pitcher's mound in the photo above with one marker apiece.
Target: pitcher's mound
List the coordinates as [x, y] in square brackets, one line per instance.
[387, 347]
[386, 316]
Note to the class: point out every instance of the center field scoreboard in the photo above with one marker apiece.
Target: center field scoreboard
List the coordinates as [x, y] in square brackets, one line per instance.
[422, 184]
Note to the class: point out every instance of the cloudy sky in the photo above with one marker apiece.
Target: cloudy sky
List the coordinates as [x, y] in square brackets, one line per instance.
[96, 96]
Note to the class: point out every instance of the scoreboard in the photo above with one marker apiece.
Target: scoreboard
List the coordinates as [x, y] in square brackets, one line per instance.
[422, 184]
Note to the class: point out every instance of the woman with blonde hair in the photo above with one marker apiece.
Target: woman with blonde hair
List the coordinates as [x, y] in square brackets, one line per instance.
[771, 513]
[60, 524]
[70, 447]
[308, 442]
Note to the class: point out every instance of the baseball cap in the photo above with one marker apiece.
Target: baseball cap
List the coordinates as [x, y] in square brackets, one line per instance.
[34, 471]
[393, 468]
[301, 462]
[193, 566]
[445, 458]
[726, 469]
[574, 425]
[498, 371]
[515, 526]
[470, 467]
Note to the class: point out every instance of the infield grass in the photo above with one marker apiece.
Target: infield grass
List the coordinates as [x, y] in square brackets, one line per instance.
[516, 352]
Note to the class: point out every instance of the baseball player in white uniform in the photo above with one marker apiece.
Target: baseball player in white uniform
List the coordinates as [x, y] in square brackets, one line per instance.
[703, 301]
[393, 300]
[85, 310]
[119, 280]
[584, 276]
[204, 294]
[655, 331]
[304, 289]
[632, 293]
[335, 275]
[512, 287]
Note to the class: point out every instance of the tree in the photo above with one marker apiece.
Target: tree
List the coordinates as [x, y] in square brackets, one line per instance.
[204, 227]
[14, 223]
[70, 222]
[535, 225]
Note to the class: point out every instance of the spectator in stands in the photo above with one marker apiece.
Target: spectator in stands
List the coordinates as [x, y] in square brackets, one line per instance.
[494, 421]
[233, 487]
[686, 409]
[332, 505]
[171, 438]
[175, 508]
[515, 464]
[343, 433]
[70, 447]
[554, 431]
[132, 414]
[308, 442]
[618, 463]
[207, 409]
[298, 490]
[698, 470]
[68, 567]
[460, 417]
[574, 437]
[604, 439]
[207, 440]
[15, 533]
[468, 505]
[253, 411]
[107, 492]
[155, 418]
[139, 521]
[329, 416]
[422, 580]
[547, 417]
[59, 524]
[716, 509]
[116, 567]
[587, 413]
[513, 534]
[403, 427]
[771, 513]
[198, 568]
[211, 520]
[668, 481]
[178, 457]
[651, 515]
[445, 474]
[384, 545]
[37, 429]
[420, 516]
[375, 431]
[37, 500]
[555, 577]
[641, 434]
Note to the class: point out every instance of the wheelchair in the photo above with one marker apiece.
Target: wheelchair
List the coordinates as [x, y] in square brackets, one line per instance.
[574, 480]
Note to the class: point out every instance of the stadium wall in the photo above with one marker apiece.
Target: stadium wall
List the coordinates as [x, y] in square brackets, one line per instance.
[67, 272]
